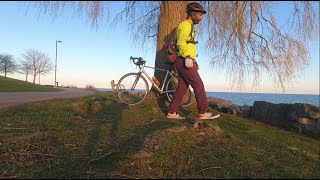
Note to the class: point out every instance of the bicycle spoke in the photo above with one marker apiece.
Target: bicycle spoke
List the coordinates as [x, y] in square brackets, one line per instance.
[136, 91]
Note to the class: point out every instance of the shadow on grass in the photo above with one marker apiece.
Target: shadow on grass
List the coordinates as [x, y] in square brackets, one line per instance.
[106, 146]
[103, 141]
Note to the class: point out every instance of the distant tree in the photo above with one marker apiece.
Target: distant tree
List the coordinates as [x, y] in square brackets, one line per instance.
[45, 66]
[38, 61]
[242, 37]
[25, 68]
[7, 64]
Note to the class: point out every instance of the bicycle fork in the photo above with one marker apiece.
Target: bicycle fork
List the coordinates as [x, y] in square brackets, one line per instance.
[136, 81]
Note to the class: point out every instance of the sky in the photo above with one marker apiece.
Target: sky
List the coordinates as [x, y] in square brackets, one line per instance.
[95, 56]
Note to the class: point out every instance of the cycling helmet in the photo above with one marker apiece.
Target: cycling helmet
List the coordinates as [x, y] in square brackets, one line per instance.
[195, 7]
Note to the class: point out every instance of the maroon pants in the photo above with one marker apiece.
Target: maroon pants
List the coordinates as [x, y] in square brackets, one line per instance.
[188, 77]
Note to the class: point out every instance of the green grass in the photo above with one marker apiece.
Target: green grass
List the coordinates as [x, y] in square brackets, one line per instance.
[99, 137]
[14, 85]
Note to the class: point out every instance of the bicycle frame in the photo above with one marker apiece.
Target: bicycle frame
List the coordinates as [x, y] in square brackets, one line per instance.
[132, 96]
[161, 91]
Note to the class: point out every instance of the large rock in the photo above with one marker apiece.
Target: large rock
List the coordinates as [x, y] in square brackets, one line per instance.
[226, 106]
[302, 116]
[245, 110]
[270, 113]
[223, 105]
[306, 117]
[305, 110]
[219, 101]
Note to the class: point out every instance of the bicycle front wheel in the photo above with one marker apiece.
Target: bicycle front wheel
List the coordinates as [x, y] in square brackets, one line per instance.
[171, 87]
[132, 88]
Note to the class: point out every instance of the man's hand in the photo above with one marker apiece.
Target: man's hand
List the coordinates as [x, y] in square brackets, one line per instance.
[189, 62]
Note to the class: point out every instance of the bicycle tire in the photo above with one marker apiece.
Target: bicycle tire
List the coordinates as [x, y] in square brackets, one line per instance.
[132, 96]
[188, 98]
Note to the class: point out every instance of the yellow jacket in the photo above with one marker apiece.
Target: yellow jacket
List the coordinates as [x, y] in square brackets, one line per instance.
[183, 35]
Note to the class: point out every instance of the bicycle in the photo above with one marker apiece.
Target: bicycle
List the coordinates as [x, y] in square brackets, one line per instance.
[132, 88]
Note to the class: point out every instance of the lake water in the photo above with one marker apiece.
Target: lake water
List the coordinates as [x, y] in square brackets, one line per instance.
[249, 98]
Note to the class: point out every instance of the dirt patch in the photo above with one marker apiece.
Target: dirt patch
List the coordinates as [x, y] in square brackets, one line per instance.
[203, 128]
[153, 142]
[20, 138]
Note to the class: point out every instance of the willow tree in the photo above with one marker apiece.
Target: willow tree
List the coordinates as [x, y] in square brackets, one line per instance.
[243, 38]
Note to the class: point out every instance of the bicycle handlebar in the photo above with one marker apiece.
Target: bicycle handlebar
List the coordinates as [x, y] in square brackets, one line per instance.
[139, 62]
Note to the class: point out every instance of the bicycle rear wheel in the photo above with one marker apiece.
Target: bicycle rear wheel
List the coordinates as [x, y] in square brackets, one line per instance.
[171, 87]
[132, 88]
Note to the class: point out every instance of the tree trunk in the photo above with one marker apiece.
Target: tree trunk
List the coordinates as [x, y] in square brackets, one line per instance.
[171, 14]
[34, 78]
[5, 69]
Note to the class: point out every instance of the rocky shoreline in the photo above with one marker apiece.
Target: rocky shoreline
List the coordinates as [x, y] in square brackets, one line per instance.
[300, 116]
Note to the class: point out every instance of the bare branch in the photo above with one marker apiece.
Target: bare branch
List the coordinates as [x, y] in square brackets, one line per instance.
[144, 16]
[243, 38]
[38, 61]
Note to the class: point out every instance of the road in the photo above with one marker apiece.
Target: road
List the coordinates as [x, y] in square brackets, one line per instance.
[17, 98]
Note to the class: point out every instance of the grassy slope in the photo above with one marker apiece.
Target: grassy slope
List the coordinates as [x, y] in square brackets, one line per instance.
[14, 85]
[94, 137]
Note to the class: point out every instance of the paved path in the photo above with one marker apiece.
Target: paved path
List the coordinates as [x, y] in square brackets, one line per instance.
[17, 98]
